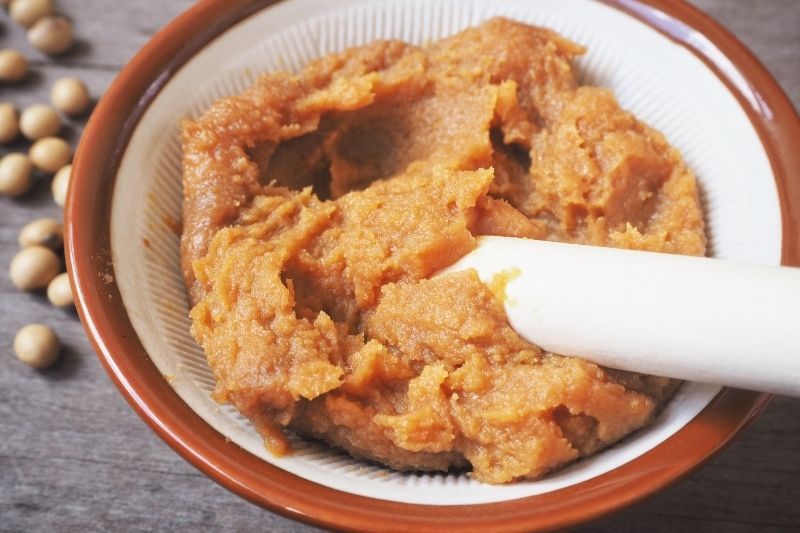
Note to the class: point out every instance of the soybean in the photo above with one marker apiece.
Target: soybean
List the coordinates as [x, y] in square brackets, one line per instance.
[26, 12]
[47, 232]
[15, 174]
[34, 267]
[51, 35]
[9, 123]
[50, 154]
[13, 65]
[70, 96]
[36, 345]
[60, 185]
[59, 291]
[38, 121]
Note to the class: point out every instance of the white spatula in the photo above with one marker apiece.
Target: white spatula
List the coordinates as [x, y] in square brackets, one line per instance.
[691, 318]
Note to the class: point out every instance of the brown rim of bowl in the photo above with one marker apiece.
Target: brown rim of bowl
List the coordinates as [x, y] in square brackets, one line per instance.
[120, 350]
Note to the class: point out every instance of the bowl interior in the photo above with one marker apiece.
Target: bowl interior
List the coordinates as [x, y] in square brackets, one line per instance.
[658, 80]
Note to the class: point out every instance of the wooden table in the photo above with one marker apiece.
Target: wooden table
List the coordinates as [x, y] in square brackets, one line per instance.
[75, 457]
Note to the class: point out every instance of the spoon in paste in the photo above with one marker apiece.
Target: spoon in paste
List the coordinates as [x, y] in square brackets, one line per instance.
[691, 318]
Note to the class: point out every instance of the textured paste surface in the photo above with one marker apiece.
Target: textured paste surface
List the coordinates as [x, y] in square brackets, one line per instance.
[317, 206]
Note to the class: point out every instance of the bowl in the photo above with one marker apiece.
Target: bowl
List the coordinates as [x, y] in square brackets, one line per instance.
[667, 62]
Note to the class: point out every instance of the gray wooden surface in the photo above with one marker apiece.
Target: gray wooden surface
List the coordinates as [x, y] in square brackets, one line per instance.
[75, 457]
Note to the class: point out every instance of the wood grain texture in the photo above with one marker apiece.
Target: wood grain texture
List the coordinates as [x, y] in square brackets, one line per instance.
[75, 457]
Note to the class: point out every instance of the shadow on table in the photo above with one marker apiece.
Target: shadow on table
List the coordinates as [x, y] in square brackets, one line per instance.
[67, 365]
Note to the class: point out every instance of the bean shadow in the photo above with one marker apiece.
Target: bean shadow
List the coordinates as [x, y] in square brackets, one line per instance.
[68, 364]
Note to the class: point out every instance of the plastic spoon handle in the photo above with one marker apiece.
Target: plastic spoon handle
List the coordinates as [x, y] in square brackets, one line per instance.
[691, 318]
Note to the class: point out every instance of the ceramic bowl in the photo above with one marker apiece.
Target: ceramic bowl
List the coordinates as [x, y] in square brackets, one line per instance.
[667, 62]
